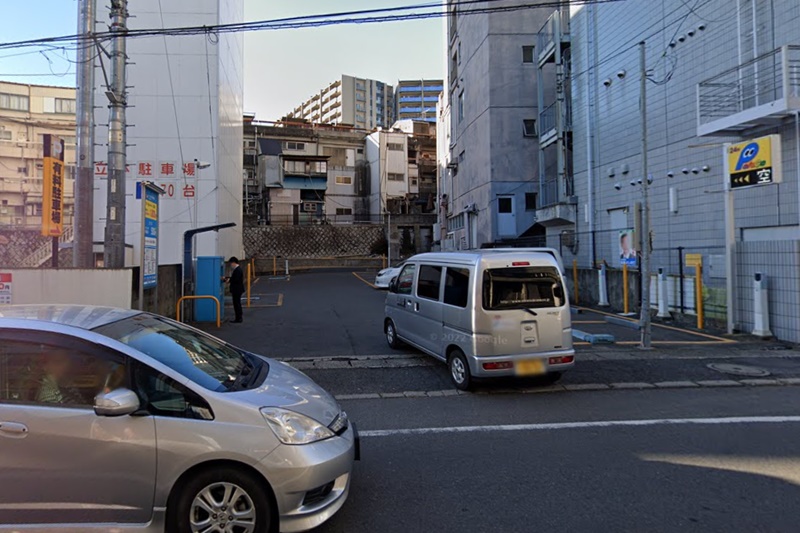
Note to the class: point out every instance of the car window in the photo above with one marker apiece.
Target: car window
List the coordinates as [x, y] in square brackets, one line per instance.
[161, 395]
[522, 288]
[56, 374]
[429, 282]
[405, 281]
[209, 362]
[456, 286]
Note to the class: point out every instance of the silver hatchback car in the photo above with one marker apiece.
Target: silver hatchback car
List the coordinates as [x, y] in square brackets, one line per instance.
[115, 420]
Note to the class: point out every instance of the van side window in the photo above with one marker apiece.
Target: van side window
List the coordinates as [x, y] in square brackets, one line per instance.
[430, 280]
[456, 287]
[405, 281]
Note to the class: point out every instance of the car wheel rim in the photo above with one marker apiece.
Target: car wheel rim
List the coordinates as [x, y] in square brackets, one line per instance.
[390, 333]
[458, 370]
[222, 508]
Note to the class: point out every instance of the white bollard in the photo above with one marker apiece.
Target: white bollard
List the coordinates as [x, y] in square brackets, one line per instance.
[601, 279]
[761, 306]
[663, 295]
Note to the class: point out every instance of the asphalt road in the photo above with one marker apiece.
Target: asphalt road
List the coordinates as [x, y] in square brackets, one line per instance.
[504, 460]
[668, 476]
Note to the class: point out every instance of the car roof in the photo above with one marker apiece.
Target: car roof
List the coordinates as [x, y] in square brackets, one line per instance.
[492, 256]
[86, 317]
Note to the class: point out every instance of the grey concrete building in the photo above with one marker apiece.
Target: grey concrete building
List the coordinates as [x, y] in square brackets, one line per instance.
[489, 178]
[359, 102]
[720, 71]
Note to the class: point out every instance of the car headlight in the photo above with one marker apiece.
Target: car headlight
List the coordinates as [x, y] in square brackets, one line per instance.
[382, 272]
[294, 428]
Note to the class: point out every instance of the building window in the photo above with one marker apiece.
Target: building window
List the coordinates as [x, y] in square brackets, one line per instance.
[530, 201]
[529, 127]
[344, 180]
[5, 135]
[295, 146]
[456, 222]
[396, 177]
[460, 106]
[527, 54]
[65, 106]
[344, 211]
[15, 102]
[396, 146]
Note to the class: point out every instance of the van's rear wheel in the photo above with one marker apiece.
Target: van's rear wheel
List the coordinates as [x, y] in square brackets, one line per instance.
[459, 370]
[391, 335]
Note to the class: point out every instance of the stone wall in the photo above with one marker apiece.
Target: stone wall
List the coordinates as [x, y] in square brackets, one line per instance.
[265, 242]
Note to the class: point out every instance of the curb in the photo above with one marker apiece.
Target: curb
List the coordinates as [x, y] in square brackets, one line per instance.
[581, 387]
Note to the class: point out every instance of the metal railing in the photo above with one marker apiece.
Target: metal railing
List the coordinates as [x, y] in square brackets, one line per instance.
[184, 298]
[763, 80]
[548, 122]
[45, 252]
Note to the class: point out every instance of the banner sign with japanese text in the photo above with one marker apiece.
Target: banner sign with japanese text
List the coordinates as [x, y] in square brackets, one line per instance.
[53, 187]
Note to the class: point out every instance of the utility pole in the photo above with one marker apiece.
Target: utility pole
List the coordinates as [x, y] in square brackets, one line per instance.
[114, 255]
[645, 238]
[82, 251]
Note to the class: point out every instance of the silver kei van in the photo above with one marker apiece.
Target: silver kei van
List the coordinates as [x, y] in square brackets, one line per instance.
[486, 313]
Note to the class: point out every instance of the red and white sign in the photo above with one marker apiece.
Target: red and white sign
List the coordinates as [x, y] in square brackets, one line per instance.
[5, 288]
[166, 169]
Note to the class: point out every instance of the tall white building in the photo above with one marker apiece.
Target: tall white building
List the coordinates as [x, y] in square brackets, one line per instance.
[360, 102]
[185, 101]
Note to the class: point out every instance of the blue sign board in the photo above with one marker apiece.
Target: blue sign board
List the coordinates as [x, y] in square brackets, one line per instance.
[150, 238]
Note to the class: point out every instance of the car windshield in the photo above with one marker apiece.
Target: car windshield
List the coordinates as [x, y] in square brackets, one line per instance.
[201, 358]
[522, 288]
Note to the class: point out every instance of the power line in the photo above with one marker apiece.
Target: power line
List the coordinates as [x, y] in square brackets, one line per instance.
[370, 16]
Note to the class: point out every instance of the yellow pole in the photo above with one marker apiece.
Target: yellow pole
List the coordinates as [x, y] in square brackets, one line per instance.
[699, 297]
[625, 287]
[383, 258]
[249, 272]
[274, 265]
[575, 278]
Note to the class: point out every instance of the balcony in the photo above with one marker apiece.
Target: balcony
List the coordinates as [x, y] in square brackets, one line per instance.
[758, 93]
[548, 123]
[549, 35]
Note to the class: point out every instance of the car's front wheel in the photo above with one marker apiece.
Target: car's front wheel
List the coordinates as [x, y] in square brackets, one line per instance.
[223, 500]
[391, 335]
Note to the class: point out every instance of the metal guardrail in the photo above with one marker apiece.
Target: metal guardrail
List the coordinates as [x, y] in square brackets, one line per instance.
[184, 298]
[763, 80]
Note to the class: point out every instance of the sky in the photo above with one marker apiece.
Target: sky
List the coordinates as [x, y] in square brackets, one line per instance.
[282, 68]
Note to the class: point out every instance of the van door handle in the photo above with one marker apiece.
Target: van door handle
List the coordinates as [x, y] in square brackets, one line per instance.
[416, 307]
[13, 428]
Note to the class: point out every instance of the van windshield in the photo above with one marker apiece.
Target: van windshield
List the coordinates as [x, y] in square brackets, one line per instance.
[522, 288]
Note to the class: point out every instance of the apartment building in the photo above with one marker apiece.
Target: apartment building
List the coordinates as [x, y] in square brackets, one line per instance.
[359, 102]
[311, 173]
[492, 173]
[416, 99]
[27, 112]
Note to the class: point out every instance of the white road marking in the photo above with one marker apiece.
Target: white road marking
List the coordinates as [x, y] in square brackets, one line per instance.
[582, 425]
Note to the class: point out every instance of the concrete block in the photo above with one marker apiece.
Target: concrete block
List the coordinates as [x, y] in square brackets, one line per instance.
[759, 382]
[675, 384]
[719, 383]
[387, 395]
[586, 386]
[415, 394]
[789, 381]
[369, 396]
[632, 385]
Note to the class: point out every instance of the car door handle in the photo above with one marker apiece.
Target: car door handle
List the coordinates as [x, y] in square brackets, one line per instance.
[13, 428]
[416, 307]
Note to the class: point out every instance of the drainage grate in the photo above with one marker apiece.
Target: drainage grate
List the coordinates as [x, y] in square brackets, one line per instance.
[738, 370]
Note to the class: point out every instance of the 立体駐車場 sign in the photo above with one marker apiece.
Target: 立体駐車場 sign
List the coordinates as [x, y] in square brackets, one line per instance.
[754, 162]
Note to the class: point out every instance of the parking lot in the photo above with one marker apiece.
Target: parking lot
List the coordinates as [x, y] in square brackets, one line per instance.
[684, 437]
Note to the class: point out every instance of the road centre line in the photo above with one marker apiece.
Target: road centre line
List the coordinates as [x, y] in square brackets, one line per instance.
[374, 433]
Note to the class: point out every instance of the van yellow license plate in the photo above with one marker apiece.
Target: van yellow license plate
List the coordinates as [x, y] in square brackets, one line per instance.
[529, 367]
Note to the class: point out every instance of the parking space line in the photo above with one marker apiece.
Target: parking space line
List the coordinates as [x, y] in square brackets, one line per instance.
[588, 321]
[677, 343]
[365, 281]
[720, 340]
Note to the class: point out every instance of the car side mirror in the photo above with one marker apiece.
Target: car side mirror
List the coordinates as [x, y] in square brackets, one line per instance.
[393, 285]
[118, 402]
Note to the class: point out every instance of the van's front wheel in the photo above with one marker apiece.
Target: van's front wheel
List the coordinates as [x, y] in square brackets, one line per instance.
[459, 370]
[391, 335]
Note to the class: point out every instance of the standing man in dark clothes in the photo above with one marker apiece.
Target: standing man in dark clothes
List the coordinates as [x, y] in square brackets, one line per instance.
[236, 281]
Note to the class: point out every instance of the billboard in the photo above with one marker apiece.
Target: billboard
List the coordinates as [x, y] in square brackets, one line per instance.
[150, 255]
[53, 187]
[754, 162]
[626, 248]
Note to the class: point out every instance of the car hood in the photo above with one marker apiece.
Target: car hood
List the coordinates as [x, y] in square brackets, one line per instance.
[288, 388]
